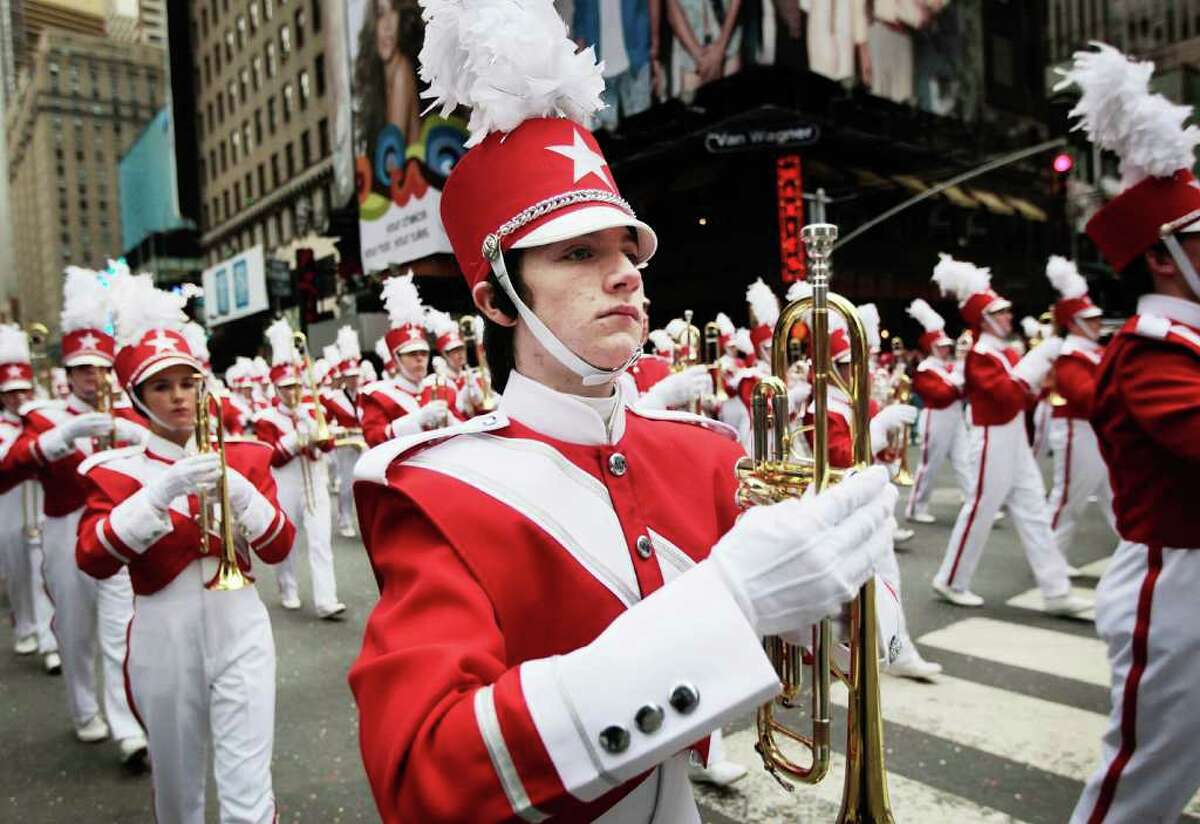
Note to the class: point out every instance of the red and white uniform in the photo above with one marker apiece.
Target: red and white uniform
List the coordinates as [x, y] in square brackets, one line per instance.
[14, 551]
[89, 615]
[943, 430]
[1006, 474]
[1079, 470]
[201, 665]
[1147, 419]
[341, 410]
[386, 407]
[473, 706]
[277, 427]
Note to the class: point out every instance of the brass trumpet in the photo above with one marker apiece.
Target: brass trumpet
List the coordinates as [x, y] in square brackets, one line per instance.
[687, 352]
[772, 475]
[300, 342]
[902, 393]
[214, 507]
[712, 357]
[466, 329]
[105, 396]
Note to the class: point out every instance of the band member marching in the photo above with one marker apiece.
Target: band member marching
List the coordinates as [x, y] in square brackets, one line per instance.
[340, 401]
[201, 664]
[567, 675]
[298, 465]
[1147, 420]
[448, 341]
[942, 426]
[89, 616]
[999, 387]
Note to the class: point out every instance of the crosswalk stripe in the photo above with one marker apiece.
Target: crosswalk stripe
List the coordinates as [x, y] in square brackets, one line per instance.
[1096, 569]
[758, 797]
[1032, 599]
[1031, 648]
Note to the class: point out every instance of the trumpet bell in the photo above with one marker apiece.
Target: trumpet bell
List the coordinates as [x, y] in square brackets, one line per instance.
[229, 578]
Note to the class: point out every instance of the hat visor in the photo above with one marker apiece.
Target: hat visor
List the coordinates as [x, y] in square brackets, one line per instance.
[166, 363]
[13, 386]
[943, 341]
[998, 305]
[595, 218]
[87, 360]
[413, 346]
[1090, 312]
[290, 380]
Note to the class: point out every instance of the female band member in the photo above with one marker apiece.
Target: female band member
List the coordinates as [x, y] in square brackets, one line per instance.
[201, 665]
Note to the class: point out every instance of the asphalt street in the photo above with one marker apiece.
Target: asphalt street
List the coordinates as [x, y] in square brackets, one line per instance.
[1008, 733]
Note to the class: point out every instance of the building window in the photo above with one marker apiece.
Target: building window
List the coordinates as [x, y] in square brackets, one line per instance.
[220, 108]
[235, 146]
[224, 157]
[241, 31]
[288, 102]
[271, 115]
[299, 23]
[258, 138]
[268, 9]
[232, 88]
[254, 16]
[212, 163]
[323, 137]
[237, 194]
[207, 70]
[271, 58]
[225, 203]
[262, 179]
[290, 154]
[257, 65]
[244, 83]
[246, 137]
[305, 89]
[319, 74]
[316, 15]
[249, 186]
[275, 178]
[285, 41]
[305, 149]
[228, 46]
[217, 58]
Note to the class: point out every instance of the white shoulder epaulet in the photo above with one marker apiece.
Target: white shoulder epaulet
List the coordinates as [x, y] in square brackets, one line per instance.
[373, 465]
[679, 416]
[107, 455]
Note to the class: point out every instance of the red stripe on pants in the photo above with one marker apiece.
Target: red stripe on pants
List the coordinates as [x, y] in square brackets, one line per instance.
[1141, 641]
[1066, 490]
[962, 542]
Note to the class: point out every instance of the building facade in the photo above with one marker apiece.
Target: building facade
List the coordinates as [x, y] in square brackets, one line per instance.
[261, 117]
[81, 107]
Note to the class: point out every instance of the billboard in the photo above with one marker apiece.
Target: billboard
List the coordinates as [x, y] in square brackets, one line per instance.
[146, 176]
[235, 287]
[401, 159]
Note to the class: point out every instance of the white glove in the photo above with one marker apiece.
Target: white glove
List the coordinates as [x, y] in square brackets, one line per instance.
[798, 395]
[433, 415]
[195, 473]
[678, 390]
[1033, 368]
[130, 432]
[791, 564]
[291, 443]
[254, 513]
[59, 442]
[887, 421]
[955, 377]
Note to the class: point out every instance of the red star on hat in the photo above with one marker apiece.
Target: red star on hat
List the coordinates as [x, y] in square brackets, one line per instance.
[161, 342]
[14, 371]
[586, 162]
[89, 341]
[415, 334]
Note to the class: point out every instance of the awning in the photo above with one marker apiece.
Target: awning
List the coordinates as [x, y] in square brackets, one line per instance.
[913, 184]
[1026, 209]
[992, 202]
[960, 198]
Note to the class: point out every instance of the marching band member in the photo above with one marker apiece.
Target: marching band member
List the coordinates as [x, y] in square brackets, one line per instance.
[447, 339]
[299, 469]
[1079, 470]
[341, 407]
[197, 341]
[1147, 421]
[60, 388]
[943, 429]
[87, 613]
[404, 404]
[660, 384]
[239, 377]
[473, 705]
[1038, 423]
[999, 387]
[201, 665]
[387, 362]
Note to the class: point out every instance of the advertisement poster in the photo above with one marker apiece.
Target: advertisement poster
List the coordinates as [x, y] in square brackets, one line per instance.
[401, 158]
[235, 288]
[337, 81]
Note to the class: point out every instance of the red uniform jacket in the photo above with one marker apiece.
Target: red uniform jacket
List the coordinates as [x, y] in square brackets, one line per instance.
[1075, 377]
[340, 409]
[273, 425]
[841, 443]
[384, 402]
[649, 370]
[114, 477]
[473, 586]
[933, 386]
[1147, 419]
[996, 395]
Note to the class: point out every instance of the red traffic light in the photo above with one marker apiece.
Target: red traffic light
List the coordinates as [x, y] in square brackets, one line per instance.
[1063, 163]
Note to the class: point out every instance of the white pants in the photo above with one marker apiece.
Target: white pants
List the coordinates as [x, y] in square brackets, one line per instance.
[315, 521]
[1146, 613]
[943, 435]
[1005, 475]
[1042, 415]
[43, 607]
[202, 671]
[15, 565]
[344, 459]
[89, 613]
[1079, 473]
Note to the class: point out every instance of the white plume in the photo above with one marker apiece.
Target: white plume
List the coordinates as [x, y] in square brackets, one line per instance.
[283, 349]
[479, 327]
[764, 304]
[1119, 113]
[367, 372]
[508, 61]
[662, 340]
[868, 313]
[14, 346]
[676, 327]
[724, 324]
[924, 314]
[440, 367]
[86, 302]
[959, 278]
[439, 323]
[331, 353]
[1064, 277]
[348, 345]
[741, 339]
[261, 370]
[1030, 327]
[197, 339]
[381, 349]
[403, 302]
[138, 307]
[799, 290]
[191, 290]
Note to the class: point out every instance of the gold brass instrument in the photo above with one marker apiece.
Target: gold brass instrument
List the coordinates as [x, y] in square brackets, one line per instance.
[687, 352]
[300, 342]
[440, 391]
[466, 329]
[902, 393]
[712, 357]
[771, 475]
[31, 491]
[1052, 395]
[105, 397]
[214, 506]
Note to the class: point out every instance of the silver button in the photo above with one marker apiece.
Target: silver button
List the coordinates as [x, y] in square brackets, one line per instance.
[644, 547]
[614, 739]
[684, 698]
[617, 464]
[649, 718]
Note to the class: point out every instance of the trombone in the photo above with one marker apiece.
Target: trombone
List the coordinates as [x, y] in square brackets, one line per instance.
[466, 329]
[712, 358]
[31, 498]
[105, 396]
[214, 506]
[770, 475]
[300, 342]
[687, 352]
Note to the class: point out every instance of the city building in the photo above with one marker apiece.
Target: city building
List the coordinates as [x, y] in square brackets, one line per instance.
[260, 114]
[81, 107]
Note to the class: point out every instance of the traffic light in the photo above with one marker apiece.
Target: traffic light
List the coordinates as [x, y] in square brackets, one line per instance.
[1063, 163]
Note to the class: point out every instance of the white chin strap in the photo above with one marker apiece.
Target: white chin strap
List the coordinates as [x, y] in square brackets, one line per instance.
[1183, 263]
[590, 375]
[990, 323]
[157, 421]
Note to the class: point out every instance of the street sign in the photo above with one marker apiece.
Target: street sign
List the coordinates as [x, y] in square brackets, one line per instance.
[755, 138]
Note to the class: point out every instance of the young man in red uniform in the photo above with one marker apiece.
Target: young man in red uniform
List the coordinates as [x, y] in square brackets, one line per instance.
[340, 402]
[1147, 419]
[553, 634]
[999, 387]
